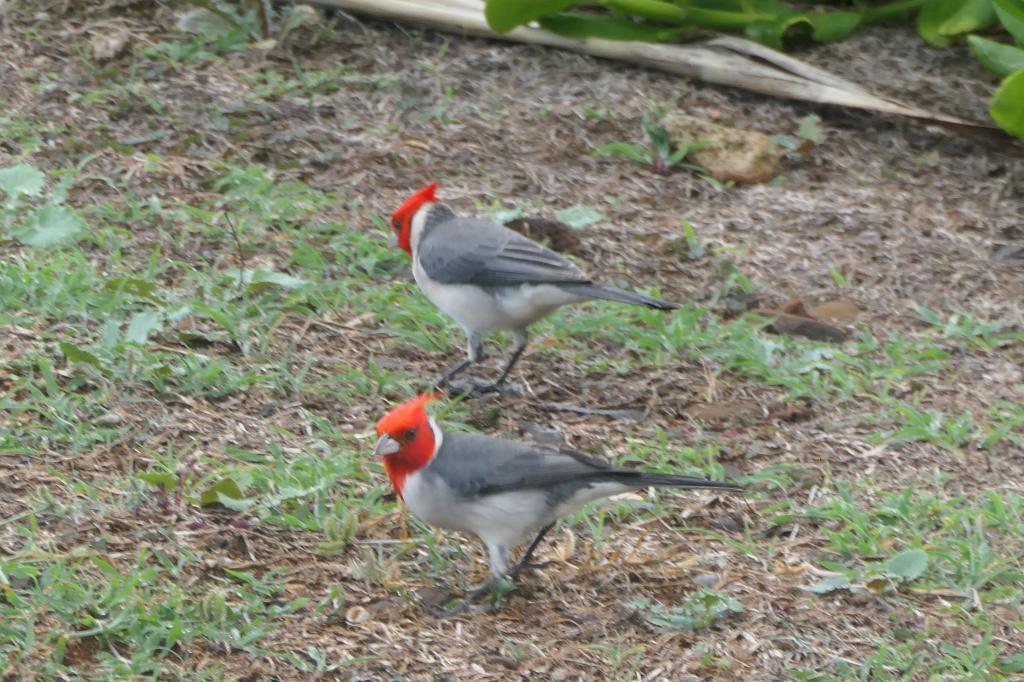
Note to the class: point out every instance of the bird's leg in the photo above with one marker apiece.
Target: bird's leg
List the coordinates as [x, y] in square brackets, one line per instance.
[452, 371]
[519, 345]
[498, 555]
[467, 601]
[474, 353]
[499, 569]
[524, 561]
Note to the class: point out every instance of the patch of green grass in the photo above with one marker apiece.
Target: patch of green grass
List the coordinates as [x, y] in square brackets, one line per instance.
[129, 615]
[197, 301]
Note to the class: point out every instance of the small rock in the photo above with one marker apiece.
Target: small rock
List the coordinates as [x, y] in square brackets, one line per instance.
[727, 523]
[742, 156]
[357, 615]
[835, 311]
[708, 580]
[106, 46]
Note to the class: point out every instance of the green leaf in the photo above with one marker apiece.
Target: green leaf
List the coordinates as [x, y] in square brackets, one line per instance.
[898, 9]
[224, 489]
[579, 25]
[205, 23]
[245, 455]
[218, 316]
[1011, 663]
[256, 279]
[971, 15]
[234, 504]
[832, 26]
[908, 565]
[160, 478]
[999, 58]
[141, 326]
[579, 216]
[21, 179]
[839, 582]
[658, 10]
[809, 128]
[1007, 107]
[1011, 16]
[633, 152]
[771, 33]
[75, 354]
[51, 225]
[140, 288]
[505, 15]
[276, 278]
[933, 14]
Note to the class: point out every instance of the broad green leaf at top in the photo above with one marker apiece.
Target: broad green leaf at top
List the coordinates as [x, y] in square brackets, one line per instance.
[972, 15]
[1007, 106]
[1011, 16]
[999, 58]
[505, 15]
[933, 16]
[581, 25]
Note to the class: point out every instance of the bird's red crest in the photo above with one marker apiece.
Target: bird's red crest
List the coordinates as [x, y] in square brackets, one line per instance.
[408, 414]
[409, 425]
[401, 220]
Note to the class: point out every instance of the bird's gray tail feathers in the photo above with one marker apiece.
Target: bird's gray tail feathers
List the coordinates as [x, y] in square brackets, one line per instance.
[643, 479]
[613, 294]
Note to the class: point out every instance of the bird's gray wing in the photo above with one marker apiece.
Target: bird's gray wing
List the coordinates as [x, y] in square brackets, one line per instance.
[471, 251]
[475, 465]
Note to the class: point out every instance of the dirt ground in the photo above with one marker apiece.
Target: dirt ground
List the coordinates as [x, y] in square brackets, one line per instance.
[907, 217]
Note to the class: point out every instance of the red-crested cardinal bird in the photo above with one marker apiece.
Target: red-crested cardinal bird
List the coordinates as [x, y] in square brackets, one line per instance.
[500, 490]
[490, 278]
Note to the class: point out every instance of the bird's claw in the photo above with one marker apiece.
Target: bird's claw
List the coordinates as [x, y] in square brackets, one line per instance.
[467, 602]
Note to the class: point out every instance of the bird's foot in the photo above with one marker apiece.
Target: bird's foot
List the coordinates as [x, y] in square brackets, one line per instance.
[532, 565]
[492, 585]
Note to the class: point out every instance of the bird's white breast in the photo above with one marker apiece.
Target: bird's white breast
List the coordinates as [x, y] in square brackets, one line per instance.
[481, 310]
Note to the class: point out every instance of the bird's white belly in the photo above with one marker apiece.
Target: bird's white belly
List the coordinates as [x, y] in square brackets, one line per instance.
[505, 519]
[483, 311]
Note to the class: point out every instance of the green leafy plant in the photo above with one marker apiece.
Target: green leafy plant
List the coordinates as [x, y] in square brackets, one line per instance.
[32, 222]
[781, 24]
[659, 152]
[700, 610]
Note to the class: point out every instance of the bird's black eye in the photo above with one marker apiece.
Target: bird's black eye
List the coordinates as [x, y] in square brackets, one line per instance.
[409, 434]
[396, 224]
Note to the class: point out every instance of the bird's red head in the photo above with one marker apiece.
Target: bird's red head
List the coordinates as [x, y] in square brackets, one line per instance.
[401, 220]
[406, 441]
